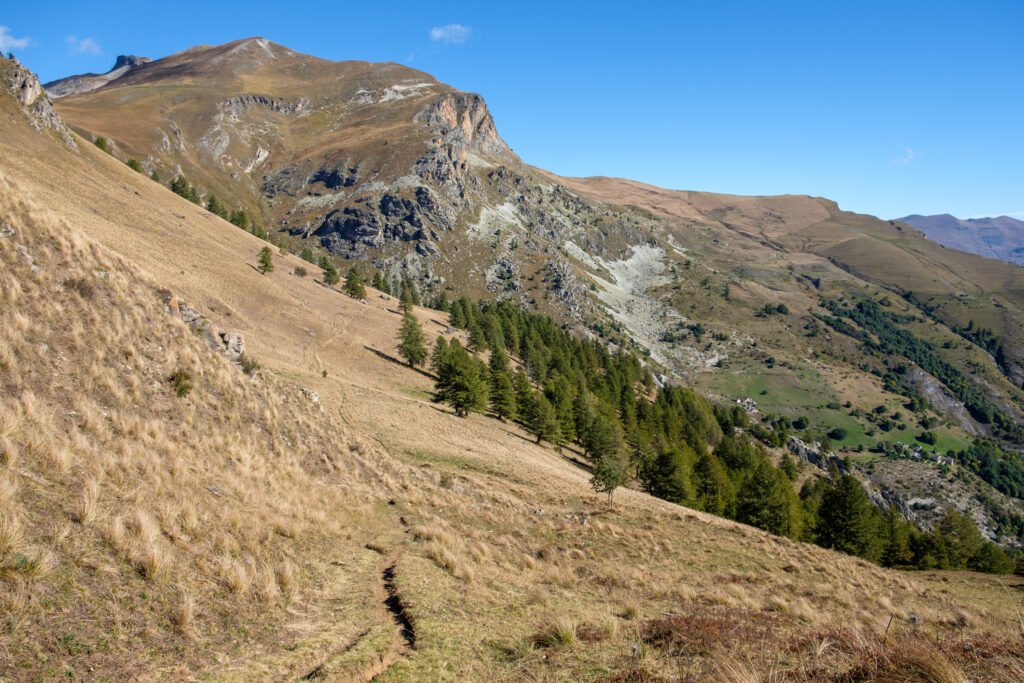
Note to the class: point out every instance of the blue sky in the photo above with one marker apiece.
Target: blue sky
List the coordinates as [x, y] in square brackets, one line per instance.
[888, 108]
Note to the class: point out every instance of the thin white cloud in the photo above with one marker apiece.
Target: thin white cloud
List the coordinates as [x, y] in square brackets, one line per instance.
[9, 42]
[85, 46]
[906, 158]
[452, 33]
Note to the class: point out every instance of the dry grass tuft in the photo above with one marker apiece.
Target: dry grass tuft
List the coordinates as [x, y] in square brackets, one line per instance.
[559, 635]
[183, 616]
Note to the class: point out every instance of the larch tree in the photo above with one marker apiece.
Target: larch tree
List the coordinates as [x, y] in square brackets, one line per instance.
[411, 341]
[266, 261]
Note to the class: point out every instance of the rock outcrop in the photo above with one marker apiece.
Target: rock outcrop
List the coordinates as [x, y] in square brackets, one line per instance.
[24, 86]
[230, 345]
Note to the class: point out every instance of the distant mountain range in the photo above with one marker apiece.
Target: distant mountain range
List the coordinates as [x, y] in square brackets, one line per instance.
[1001, 238]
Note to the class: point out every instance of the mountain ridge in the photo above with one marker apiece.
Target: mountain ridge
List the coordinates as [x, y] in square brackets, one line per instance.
[1000, 237]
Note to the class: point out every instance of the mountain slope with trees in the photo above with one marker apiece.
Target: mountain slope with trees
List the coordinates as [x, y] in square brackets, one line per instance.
[175, 515]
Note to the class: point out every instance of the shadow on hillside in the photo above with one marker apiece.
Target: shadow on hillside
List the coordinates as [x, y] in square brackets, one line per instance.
[387, 356]
[566, 452]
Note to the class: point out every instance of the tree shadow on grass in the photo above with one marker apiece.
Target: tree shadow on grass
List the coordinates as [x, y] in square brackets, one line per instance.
[388, 356]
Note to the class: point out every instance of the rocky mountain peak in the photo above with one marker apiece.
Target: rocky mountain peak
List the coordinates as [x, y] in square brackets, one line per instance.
[130, 60]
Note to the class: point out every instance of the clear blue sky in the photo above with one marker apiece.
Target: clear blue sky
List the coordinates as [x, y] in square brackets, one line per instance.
[888, 108]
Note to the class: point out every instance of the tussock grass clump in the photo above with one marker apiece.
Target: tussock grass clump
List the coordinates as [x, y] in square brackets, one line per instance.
[249, 364]
[181, 381]
[561, 635]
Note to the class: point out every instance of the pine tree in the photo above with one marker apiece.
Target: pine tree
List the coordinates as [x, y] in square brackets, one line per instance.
[405, 300]
[761, 501]
[378, 281]
[668, 476]
[895, 540]
[134, 165]
[541, 419]
[524, 393]
[331, 275]
[412, 343]
[460, 383]
[712, 487]
[603, 434]
[414, 293]
[439, 353]
[610, 472]
[503, 394]
[307, 255]
[959, 537]
[844, 518]
[477, 340]
[240, 218]
[457, 318]
[101, 142]
[354, 286]
[214, 206]
[266, 261]
[154, 176]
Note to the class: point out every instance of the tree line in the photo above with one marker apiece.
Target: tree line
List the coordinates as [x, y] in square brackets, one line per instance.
[572, 391]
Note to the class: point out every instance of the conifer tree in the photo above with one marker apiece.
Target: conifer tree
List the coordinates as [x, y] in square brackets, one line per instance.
[266, 261]
[438, 354]
[603, 435]
[713, 490]
[154, 176]
[895, 540]
[541, 419]
[307, 255]
[354, 286]
[405, 300]
[460, 383]
[457, 318]
[214, 206]
[668, 476]
[240, 218]
[503, 395]
[524, 393]
[412, 343]
[761, 501]
[414, 293]
[610, 472]
[477, 340]
[331, 275]
[844, 518]
[377, 282]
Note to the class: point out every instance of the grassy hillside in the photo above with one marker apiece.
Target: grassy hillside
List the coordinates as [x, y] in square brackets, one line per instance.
[241, 531]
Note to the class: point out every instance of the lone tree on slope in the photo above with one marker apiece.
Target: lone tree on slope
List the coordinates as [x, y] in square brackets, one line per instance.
[411, 342]
[266, 262]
